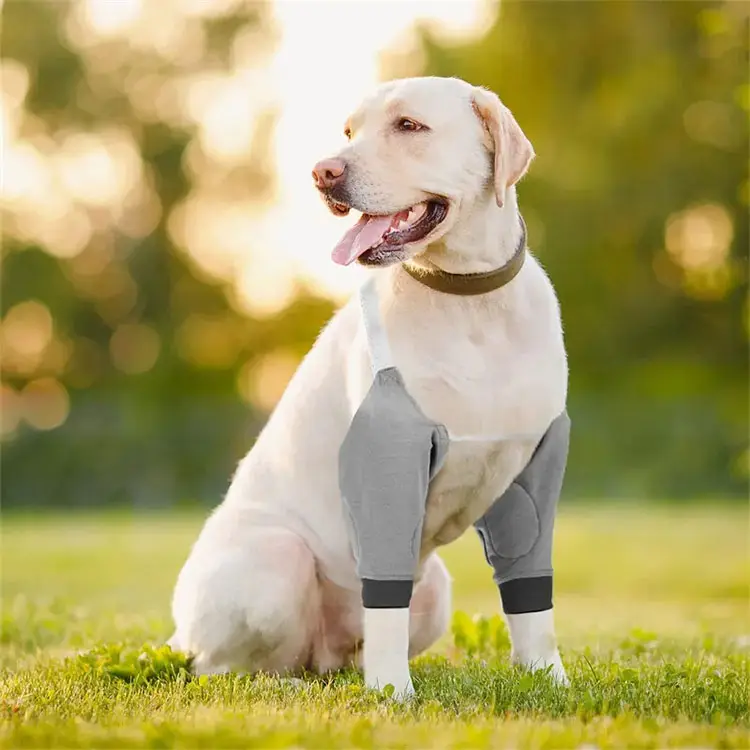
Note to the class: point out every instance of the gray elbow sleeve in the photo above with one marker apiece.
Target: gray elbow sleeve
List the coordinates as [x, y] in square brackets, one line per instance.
[386, 462]
[517, 531]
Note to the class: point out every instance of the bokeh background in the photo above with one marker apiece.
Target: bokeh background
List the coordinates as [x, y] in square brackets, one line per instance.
[165, 260]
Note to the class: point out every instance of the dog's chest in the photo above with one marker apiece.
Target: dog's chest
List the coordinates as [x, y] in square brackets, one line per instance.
[473, 476]
[474, 384]
[492, 369]
[478, 386]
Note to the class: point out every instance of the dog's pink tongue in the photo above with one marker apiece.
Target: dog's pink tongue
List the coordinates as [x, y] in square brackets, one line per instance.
[362, 236]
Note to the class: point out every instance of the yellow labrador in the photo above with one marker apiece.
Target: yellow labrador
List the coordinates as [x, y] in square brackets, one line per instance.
[270, 583]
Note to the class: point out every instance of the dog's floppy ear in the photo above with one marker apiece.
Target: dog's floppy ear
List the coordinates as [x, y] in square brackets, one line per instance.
[513, 150]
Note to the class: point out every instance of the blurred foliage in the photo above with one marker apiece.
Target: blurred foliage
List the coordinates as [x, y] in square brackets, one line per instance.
[149, 348]
[141, 666]
[136, 367]
[637, 206]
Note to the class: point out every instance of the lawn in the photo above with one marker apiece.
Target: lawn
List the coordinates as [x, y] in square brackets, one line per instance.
[652, 613]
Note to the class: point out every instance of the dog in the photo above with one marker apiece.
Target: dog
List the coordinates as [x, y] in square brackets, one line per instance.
[271, 582]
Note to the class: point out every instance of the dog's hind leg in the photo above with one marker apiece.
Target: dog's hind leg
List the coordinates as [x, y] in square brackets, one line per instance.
[251, 606]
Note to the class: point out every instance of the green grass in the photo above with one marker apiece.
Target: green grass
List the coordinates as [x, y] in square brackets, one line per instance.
[652, 612]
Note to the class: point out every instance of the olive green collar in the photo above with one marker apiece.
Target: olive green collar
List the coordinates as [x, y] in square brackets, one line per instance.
[466, 284]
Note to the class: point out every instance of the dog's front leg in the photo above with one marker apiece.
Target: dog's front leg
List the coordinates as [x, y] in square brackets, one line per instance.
[385, 523]
[386, 648]
[532, 633]
[516, 533]
[386, 462]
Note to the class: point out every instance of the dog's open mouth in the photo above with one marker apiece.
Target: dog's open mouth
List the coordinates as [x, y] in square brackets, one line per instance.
[373, 238]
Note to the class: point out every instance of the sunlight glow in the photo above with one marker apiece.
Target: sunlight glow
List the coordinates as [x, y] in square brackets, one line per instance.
[46, 403]
[64, 189]
[261, 382]
[106, 17]
[26, 332]
[134, 348]
[700, 237]
[699, 240]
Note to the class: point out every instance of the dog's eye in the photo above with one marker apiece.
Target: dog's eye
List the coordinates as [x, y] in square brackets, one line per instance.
[405, 125]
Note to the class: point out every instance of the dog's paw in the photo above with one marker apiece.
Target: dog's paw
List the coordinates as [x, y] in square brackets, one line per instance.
[552, 664]
[557, 673]
[401, 684]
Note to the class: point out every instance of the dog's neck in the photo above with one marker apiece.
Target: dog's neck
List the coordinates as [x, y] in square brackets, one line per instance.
[492, 234]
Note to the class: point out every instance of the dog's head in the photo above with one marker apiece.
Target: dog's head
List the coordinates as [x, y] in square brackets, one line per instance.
[420, 151]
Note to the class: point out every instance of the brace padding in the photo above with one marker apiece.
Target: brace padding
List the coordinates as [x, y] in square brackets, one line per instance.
[517, 531]
[386, 462]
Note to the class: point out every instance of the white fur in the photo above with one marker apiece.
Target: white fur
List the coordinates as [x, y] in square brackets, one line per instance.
[386, 650]
[534, 643]
[270, 583]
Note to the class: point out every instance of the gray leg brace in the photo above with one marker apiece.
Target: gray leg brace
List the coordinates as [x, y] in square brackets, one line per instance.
[386, 462]
[517, 530]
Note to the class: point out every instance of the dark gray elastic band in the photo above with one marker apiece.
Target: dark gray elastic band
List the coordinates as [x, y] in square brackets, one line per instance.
[523, 595]
[386, 594]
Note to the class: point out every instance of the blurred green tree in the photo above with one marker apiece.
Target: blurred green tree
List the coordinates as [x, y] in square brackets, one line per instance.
[109, 326]
[135, 367]
[637, 205]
